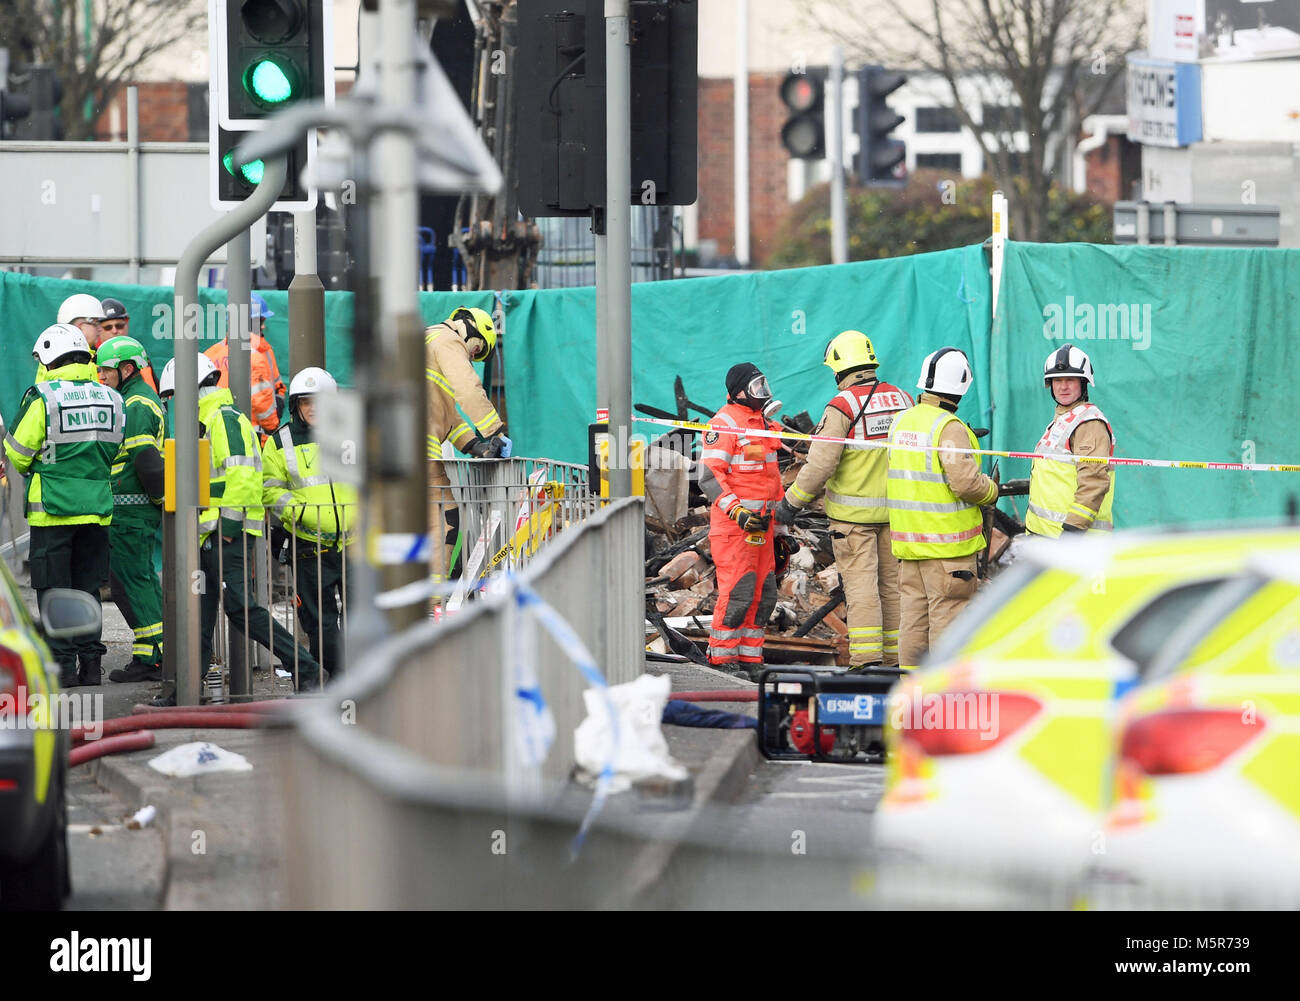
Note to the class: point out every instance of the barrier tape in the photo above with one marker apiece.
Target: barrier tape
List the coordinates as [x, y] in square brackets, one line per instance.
[1115, 460]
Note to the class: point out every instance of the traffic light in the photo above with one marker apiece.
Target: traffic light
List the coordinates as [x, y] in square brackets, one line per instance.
[804, 133]
[275, 53]
[29, 108]
[880, 156]
[266, 55]
[558, 83]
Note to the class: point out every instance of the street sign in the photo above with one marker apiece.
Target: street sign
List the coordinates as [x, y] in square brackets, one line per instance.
[1199, 225]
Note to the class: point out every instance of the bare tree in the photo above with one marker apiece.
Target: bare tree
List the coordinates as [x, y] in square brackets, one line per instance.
[1056, 59]
[95, 60]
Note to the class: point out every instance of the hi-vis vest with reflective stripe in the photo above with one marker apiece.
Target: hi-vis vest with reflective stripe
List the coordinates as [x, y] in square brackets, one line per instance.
[310, 505]
[71, 471]
[236, 480]
[857, 489]
[745, 467]
[1053, 484]
[926, 519]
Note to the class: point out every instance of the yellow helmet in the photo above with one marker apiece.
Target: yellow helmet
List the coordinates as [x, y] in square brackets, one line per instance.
[481, 321]
[851, 349]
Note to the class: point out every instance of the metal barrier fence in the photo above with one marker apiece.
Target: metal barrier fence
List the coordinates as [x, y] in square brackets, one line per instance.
[503, 513]
[425, 756]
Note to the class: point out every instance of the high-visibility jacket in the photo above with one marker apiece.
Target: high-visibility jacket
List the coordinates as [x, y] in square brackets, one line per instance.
[926, 519]
[744, 467]
[236, 468]
[144, 429]
[856, 490]
[1054, 484]
[454, 383]
[67, 433]
[265, 386]
[311, 505]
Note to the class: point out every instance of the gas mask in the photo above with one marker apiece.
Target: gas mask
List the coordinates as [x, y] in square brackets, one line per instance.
[758, 395]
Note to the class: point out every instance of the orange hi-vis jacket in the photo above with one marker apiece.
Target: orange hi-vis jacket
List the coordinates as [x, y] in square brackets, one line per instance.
[264, 375]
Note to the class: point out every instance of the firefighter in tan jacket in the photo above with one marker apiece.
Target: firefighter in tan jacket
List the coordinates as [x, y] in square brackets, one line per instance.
[935, 497]
[466, 336]
[1066, 496]
[856, 502]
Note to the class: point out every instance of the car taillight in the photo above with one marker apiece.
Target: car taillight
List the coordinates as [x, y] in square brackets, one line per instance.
[13, 683]
[966, 722]
[1181, 741]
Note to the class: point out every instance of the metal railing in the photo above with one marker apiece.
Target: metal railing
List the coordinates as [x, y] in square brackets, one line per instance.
[429, 760]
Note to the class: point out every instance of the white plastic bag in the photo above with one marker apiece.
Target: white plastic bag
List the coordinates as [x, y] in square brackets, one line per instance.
[642, 750]
[199, 758]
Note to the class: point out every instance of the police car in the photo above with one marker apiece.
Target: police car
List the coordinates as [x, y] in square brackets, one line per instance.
[34, 746]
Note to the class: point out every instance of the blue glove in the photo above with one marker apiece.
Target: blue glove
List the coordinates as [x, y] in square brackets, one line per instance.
[506, 447]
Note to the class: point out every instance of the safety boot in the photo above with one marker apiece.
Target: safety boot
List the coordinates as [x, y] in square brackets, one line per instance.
[89, 671]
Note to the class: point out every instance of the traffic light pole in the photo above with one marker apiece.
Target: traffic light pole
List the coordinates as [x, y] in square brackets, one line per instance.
[839, 216]
[404, 502]
[181, 651]
[616, 342]
[306, 299]
[238, 337]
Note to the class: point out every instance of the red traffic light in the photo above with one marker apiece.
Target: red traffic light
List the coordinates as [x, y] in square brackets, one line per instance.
[801, 92]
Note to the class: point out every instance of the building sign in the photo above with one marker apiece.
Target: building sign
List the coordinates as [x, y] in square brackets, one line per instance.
[1173, 26]
[1164, 102]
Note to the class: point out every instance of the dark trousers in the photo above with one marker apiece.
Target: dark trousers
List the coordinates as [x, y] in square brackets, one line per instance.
[321, 599]
[227, 563]
[74, 556]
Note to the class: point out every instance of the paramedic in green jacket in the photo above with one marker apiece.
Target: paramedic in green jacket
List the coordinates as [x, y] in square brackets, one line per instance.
[137, 512]
[228, 530]
[64, 442]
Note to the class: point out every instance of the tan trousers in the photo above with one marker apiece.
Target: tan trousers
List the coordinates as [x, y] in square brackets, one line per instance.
[931, 598]
[869, 572]
[441, 502]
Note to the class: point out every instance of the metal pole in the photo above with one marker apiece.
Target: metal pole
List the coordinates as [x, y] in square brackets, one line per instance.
[306, 299]
[602, 320]
[133, 181]
[740, 148]
[183, 633]
[1171, 224]
[1143, 223]
[238, 344]
[404, 499]
[238, 333]
[839, 219]
[616, 340]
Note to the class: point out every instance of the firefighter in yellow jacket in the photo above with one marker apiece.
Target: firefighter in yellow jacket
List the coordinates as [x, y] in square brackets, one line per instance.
[467, 336]
[934, 505]
[1068, 496]
[856, 502]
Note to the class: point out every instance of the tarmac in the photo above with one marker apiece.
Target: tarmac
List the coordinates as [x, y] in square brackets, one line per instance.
[221, 835]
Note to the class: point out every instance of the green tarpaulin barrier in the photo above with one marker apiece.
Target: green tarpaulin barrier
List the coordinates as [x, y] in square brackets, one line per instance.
[1188, 344]
[1194, 351]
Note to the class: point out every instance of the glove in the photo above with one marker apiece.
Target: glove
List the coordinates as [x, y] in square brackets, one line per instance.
[507, 448]
[1072, 528]
[784, 512]
[486, 448]
[749, 521]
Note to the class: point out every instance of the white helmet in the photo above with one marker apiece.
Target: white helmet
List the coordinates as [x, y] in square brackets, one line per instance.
[1068, 363]
[80, 306]
[167, 380]
[57, 341]
[310, 381]
[946, 371]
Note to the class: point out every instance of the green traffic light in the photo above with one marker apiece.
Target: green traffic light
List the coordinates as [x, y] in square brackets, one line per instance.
[252, 172]
[269, 83]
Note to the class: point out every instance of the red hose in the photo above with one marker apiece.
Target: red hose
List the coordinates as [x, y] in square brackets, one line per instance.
[174, 719]
[264, 705]
[137, 741]
[721, 695]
